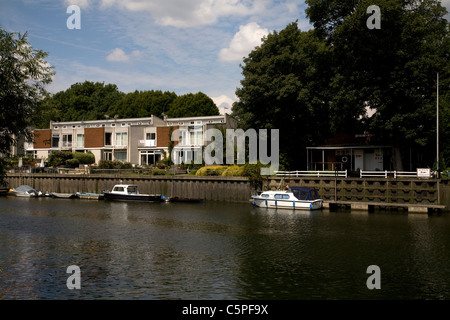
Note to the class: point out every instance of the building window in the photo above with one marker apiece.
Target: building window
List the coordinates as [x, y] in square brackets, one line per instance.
[107, 155]
[67, 141]
[150, 157]
[150, 136]
[108, 138]
[32, 154]
[80, 140]
[120, 155]
[121, 138]
[55, 140]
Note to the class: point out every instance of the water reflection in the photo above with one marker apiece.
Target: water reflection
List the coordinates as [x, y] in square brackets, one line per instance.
[216, 251]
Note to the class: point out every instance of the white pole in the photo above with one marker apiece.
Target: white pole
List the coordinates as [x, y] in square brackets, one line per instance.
[437, 140]
[437, 128]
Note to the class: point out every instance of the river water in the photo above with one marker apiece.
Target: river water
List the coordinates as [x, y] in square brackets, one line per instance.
[217, 250]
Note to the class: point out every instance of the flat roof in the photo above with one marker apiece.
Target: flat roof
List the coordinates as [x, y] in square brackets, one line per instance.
[347, 147]
[196, 118]
[104, 120]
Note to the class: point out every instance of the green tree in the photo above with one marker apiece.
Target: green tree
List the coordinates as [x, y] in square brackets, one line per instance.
[391, 70]
[144, 104]
[285, 87]
[82, 101]
[192, 105]
[23, 76]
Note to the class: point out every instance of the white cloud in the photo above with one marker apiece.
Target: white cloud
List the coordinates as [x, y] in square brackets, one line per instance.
[188, 13]
[118, 55]
[446, 4]
[244, 41]
[83, 4]
[224, 103]
[73, 72]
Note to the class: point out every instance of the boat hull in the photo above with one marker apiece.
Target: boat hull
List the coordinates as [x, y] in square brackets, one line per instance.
[89, 196]
[63, 195]
[191, 200]
[287, 204]
[25, 195]
[132, 197]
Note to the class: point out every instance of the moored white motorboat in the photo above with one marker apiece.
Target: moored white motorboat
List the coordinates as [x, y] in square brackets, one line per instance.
[302, 198]
[129, 192]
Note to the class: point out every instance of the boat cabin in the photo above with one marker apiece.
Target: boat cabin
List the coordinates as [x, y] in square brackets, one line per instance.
[125, 189]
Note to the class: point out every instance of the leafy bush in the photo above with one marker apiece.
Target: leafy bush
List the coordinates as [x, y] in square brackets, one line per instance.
[72, 163]
[211, 171]
[59, 158]
[84, 158]
[13, 162]
[159, 172]
[234, 170]
[125, 165]
[114, 164]
[253, 172]
[105, 164]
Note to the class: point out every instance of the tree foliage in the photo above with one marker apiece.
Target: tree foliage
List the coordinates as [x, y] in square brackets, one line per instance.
[192, 105]
[23, 76]
[313, 84]
[392, 70]
[97, 101]
[82, 101]
[285, 87]
[143, 104]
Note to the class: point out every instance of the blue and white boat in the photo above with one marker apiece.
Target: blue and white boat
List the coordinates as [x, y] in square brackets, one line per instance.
[301, 198]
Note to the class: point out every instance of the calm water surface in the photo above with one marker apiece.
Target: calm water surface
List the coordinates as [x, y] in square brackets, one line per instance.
[217, 250]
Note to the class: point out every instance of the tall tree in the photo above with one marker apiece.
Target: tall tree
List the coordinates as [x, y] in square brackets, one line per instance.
[192, 105]
[285, 87]
[23, 76]
[82, 101]
[144, 104]
[391, 70]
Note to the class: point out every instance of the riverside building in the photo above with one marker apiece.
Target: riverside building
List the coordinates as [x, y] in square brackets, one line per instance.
[140, 141]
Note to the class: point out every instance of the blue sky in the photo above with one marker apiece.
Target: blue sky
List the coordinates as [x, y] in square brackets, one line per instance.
[184, 46]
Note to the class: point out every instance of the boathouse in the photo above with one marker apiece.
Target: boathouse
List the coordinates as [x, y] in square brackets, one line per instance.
[351, 153]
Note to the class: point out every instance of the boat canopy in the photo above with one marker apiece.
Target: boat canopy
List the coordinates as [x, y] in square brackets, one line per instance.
[25, 188]
[305, 193]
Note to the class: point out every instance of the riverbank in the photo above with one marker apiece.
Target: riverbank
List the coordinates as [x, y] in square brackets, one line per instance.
[239, 189]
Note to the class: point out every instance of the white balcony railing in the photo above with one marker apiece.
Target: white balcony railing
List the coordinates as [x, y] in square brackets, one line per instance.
[146, 143]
